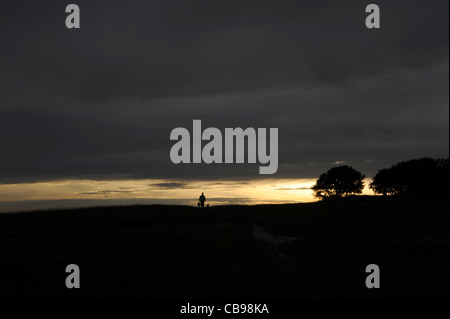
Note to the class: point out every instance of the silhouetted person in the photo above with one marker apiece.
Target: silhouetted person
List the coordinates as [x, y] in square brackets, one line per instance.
[202, 200]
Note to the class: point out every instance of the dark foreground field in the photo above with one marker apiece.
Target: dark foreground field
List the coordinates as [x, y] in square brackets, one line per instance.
[186, 252]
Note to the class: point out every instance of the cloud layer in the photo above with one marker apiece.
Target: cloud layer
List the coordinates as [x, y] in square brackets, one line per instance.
[100, 102]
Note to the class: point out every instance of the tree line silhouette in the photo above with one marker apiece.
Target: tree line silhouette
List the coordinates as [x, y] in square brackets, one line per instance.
[426, 177]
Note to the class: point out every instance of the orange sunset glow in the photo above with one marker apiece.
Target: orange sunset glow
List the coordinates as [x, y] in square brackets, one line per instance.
[158, 191]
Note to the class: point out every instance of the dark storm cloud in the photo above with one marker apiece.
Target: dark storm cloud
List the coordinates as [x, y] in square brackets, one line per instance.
[170, 185]
[147, 49]
[292, 188]
[104, 192]
[100, 102]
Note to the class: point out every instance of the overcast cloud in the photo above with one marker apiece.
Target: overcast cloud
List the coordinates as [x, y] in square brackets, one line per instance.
[100, 102]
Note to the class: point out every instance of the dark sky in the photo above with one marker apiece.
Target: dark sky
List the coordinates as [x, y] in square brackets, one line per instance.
[100, 102]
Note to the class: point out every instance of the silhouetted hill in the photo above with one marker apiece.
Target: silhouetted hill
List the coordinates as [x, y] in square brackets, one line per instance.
[190, 252]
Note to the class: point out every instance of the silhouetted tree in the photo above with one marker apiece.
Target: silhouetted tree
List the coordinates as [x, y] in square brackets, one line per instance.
[339, 181]
[384, 183]
[424, 177]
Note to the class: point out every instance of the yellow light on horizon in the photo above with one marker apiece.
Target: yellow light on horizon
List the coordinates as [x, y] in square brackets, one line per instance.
[261, 191]
[85, 189]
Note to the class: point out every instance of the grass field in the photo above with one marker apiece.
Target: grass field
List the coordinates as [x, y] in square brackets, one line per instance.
[190, 252]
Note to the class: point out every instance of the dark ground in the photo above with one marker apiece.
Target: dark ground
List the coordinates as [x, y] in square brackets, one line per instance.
[189, 252]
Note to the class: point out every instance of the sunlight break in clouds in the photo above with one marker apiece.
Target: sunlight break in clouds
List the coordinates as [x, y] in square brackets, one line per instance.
[161, 191]
[34, 195]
